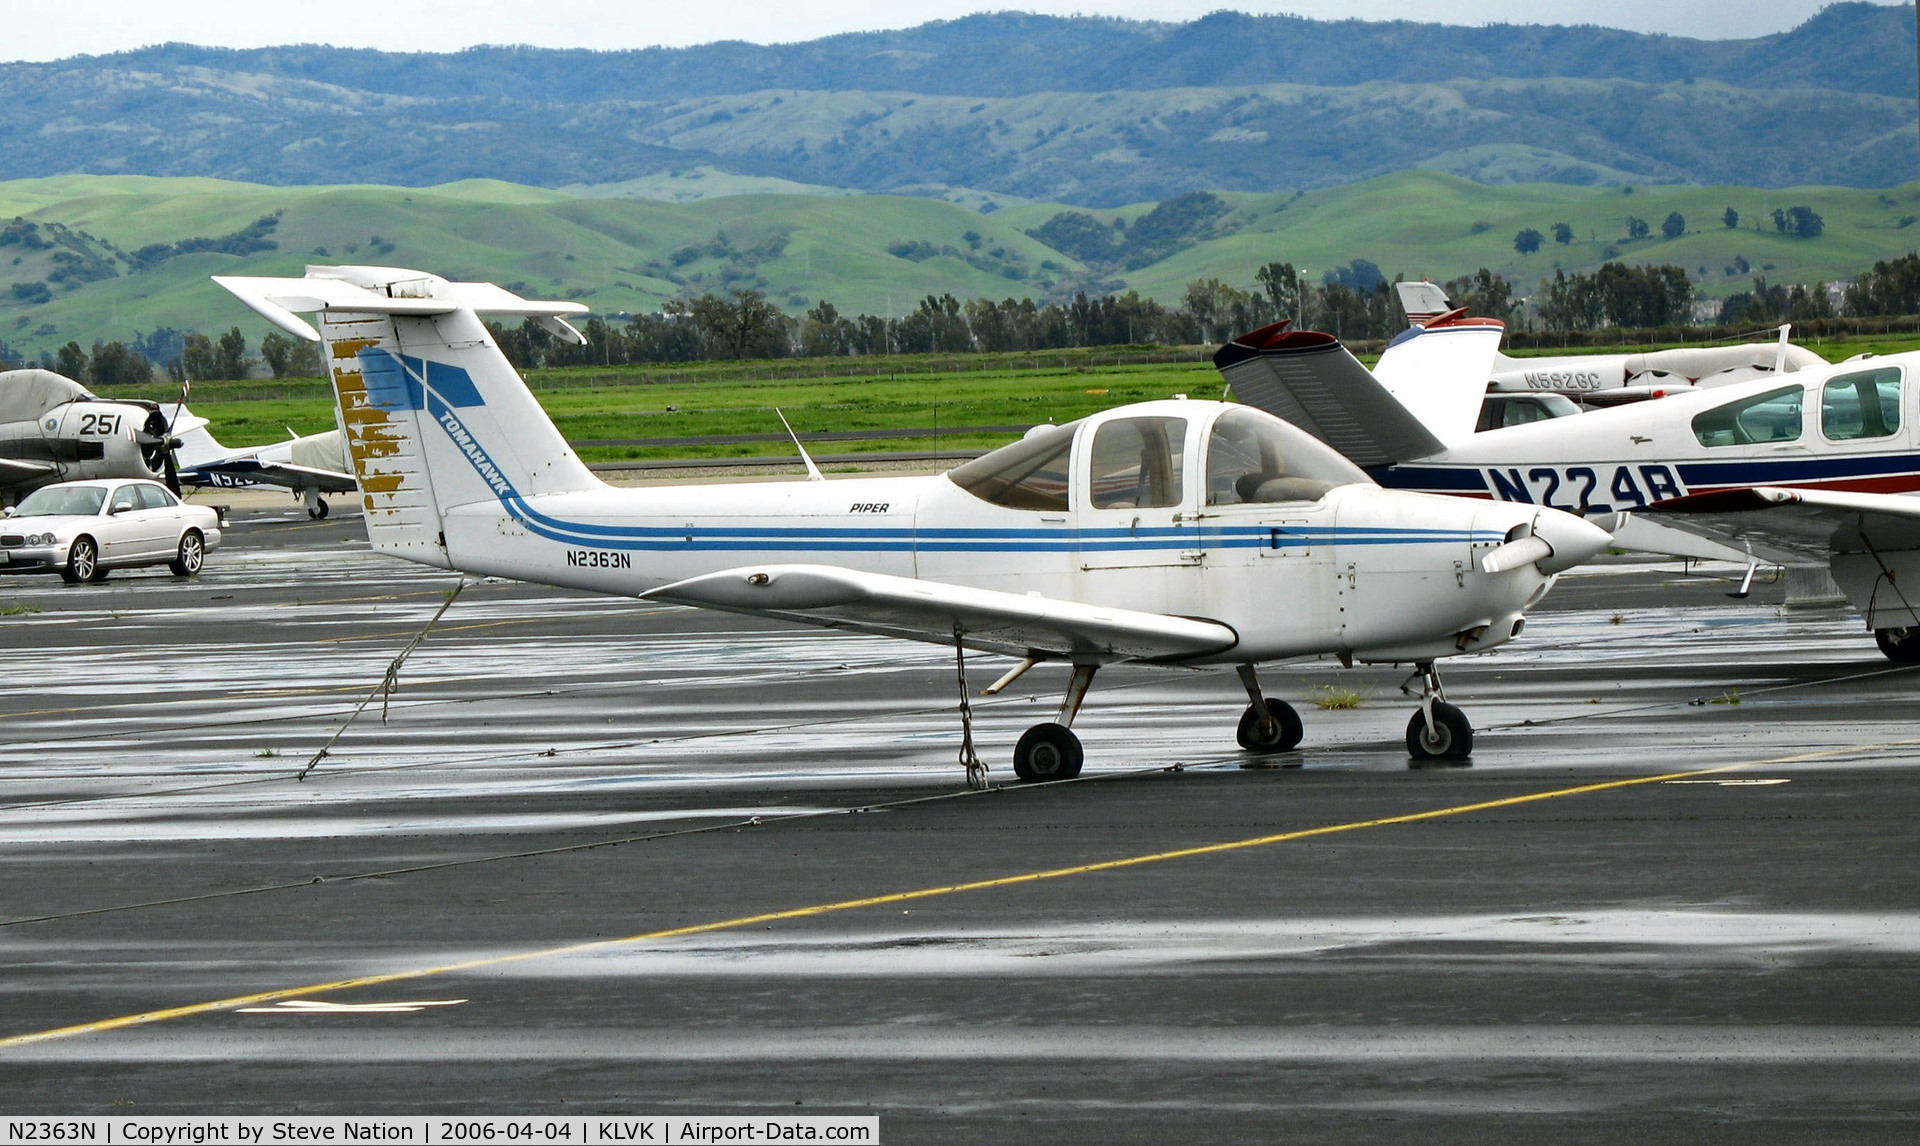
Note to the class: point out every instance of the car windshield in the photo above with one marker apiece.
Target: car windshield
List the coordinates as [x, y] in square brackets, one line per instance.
[81, 500]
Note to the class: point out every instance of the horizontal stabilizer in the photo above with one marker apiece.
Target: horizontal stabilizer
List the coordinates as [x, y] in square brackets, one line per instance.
[386, 290]
[1310, 379]
[1011, 623]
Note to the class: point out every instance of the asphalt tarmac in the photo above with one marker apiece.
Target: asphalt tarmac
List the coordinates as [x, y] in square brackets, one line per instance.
[606, 857]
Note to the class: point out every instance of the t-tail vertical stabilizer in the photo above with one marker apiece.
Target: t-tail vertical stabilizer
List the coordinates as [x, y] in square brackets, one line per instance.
[435, 416]
[1439, 371]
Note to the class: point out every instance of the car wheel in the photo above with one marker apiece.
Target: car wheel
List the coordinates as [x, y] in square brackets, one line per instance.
[192, 554]
[83, 562]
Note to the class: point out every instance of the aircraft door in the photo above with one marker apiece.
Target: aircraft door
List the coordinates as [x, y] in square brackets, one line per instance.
[1134, 507]
[1268, 530]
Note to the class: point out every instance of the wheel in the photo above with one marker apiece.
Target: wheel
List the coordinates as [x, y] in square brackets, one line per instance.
[83, 562]
[193, 554]
[1286, 728]
[1901, 645]
[1452, 735]
[318, 510]
[1048, 752]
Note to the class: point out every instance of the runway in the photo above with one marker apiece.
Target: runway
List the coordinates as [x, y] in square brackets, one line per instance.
[1675, 893]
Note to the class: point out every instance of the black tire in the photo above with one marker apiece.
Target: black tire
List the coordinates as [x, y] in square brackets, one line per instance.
[83, 562]
[1287, 729]
[1453, 739]
[319, 510]
[191, 555]
[1900, 645]
[1048, 752]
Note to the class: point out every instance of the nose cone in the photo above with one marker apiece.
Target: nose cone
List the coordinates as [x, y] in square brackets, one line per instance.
[1573, 540]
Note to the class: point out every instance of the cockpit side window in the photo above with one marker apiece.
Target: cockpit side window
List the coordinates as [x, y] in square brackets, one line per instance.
[1029, 474]
[1770, 417]
[1255, 457]
[1863, 405]
[1135, 463]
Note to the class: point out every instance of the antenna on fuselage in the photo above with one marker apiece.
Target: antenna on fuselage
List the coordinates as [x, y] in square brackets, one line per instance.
[813, 471]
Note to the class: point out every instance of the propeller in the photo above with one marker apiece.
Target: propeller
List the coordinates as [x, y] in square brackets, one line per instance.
[1520, 548]
[1551, 542]
[157, 444]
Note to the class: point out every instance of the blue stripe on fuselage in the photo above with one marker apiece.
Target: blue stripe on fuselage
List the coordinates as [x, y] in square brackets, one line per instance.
[862, 539]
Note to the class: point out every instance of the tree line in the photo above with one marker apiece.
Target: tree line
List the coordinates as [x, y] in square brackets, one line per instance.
[1355, 302]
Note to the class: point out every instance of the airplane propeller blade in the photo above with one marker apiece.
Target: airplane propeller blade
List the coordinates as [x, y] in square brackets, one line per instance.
[1514, 554]
[1553, 543]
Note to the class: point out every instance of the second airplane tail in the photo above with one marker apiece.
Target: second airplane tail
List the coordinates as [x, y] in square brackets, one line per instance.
[434, 415]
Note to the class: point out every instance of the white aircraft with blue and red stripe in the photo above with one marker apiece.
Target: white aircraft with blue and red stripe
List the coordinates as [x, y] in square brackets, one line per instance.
[1818, 465]
[1177, 532]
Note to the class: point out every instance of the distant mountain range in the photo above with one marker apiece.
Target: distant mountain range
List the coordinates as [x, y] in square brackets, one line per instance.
[993, 110]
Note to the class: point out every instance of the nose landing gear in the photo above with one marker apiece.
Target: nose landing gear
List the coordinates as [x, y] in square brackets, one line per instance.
[1438, 730]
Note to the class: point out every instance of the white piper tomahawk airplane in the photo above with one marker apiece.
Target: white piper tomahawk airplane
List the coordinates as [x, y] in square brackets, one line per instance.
[1819, 465]
[1177, 532]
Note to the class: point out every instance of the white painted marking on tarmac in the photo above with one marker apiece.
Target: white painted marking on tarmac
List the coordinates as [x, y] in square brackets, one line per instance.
[1753, 783]
[88, 825]
[1675, 1043]
[322, 1007]
[1595, 938]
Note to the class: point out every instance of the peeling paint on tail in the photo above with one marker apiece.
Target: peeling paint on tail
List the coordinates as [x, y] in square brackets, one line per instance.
[383, 444]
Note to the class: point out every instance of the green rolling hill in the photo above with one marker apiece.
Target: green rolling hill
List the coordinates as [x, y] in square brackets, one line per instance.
[101, 257]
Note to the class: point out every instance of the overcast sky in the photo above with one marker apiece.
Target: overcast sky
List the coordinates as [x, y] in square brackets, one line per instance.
[50, 29]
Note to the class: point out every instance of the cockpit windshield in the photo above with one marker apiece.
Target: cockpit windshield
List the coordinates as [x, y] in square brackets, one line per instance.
[56, 500]
[1253, 456]
[1029, 474]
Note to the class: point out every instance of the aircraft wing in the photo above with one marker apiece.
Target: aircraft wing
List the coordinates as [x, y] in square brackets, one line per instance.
[280, 473]
[13, 471]
[1012, 623]
[1800, 524]
[1310, 379]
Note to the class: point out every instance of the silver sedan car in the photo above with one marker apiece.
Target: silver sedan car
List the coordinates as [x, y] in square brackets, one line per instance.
[81, 529]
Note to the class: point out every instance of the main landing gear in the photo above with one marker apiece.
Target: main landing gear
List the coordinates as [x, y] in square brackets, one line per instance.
[1046, 751]
[1051, 751]
[1900, 645]
[1438, 730]
[1268, 725]
[316, 505]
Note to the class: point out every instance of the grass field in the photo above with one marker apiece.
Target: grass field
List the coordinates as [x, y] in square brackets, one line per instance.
[912, 393]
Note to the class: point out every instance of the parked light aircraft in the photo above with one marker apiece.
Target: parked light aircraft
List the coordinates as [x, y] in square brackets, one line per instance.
[1819, 465]
[53, 430]
[310, 466]
[1175, 532]
[1599, 379]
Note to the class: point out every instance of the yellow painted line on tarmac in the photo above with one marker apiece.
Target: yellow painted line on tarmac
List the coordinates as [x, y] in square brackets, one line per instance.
[818, 909]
